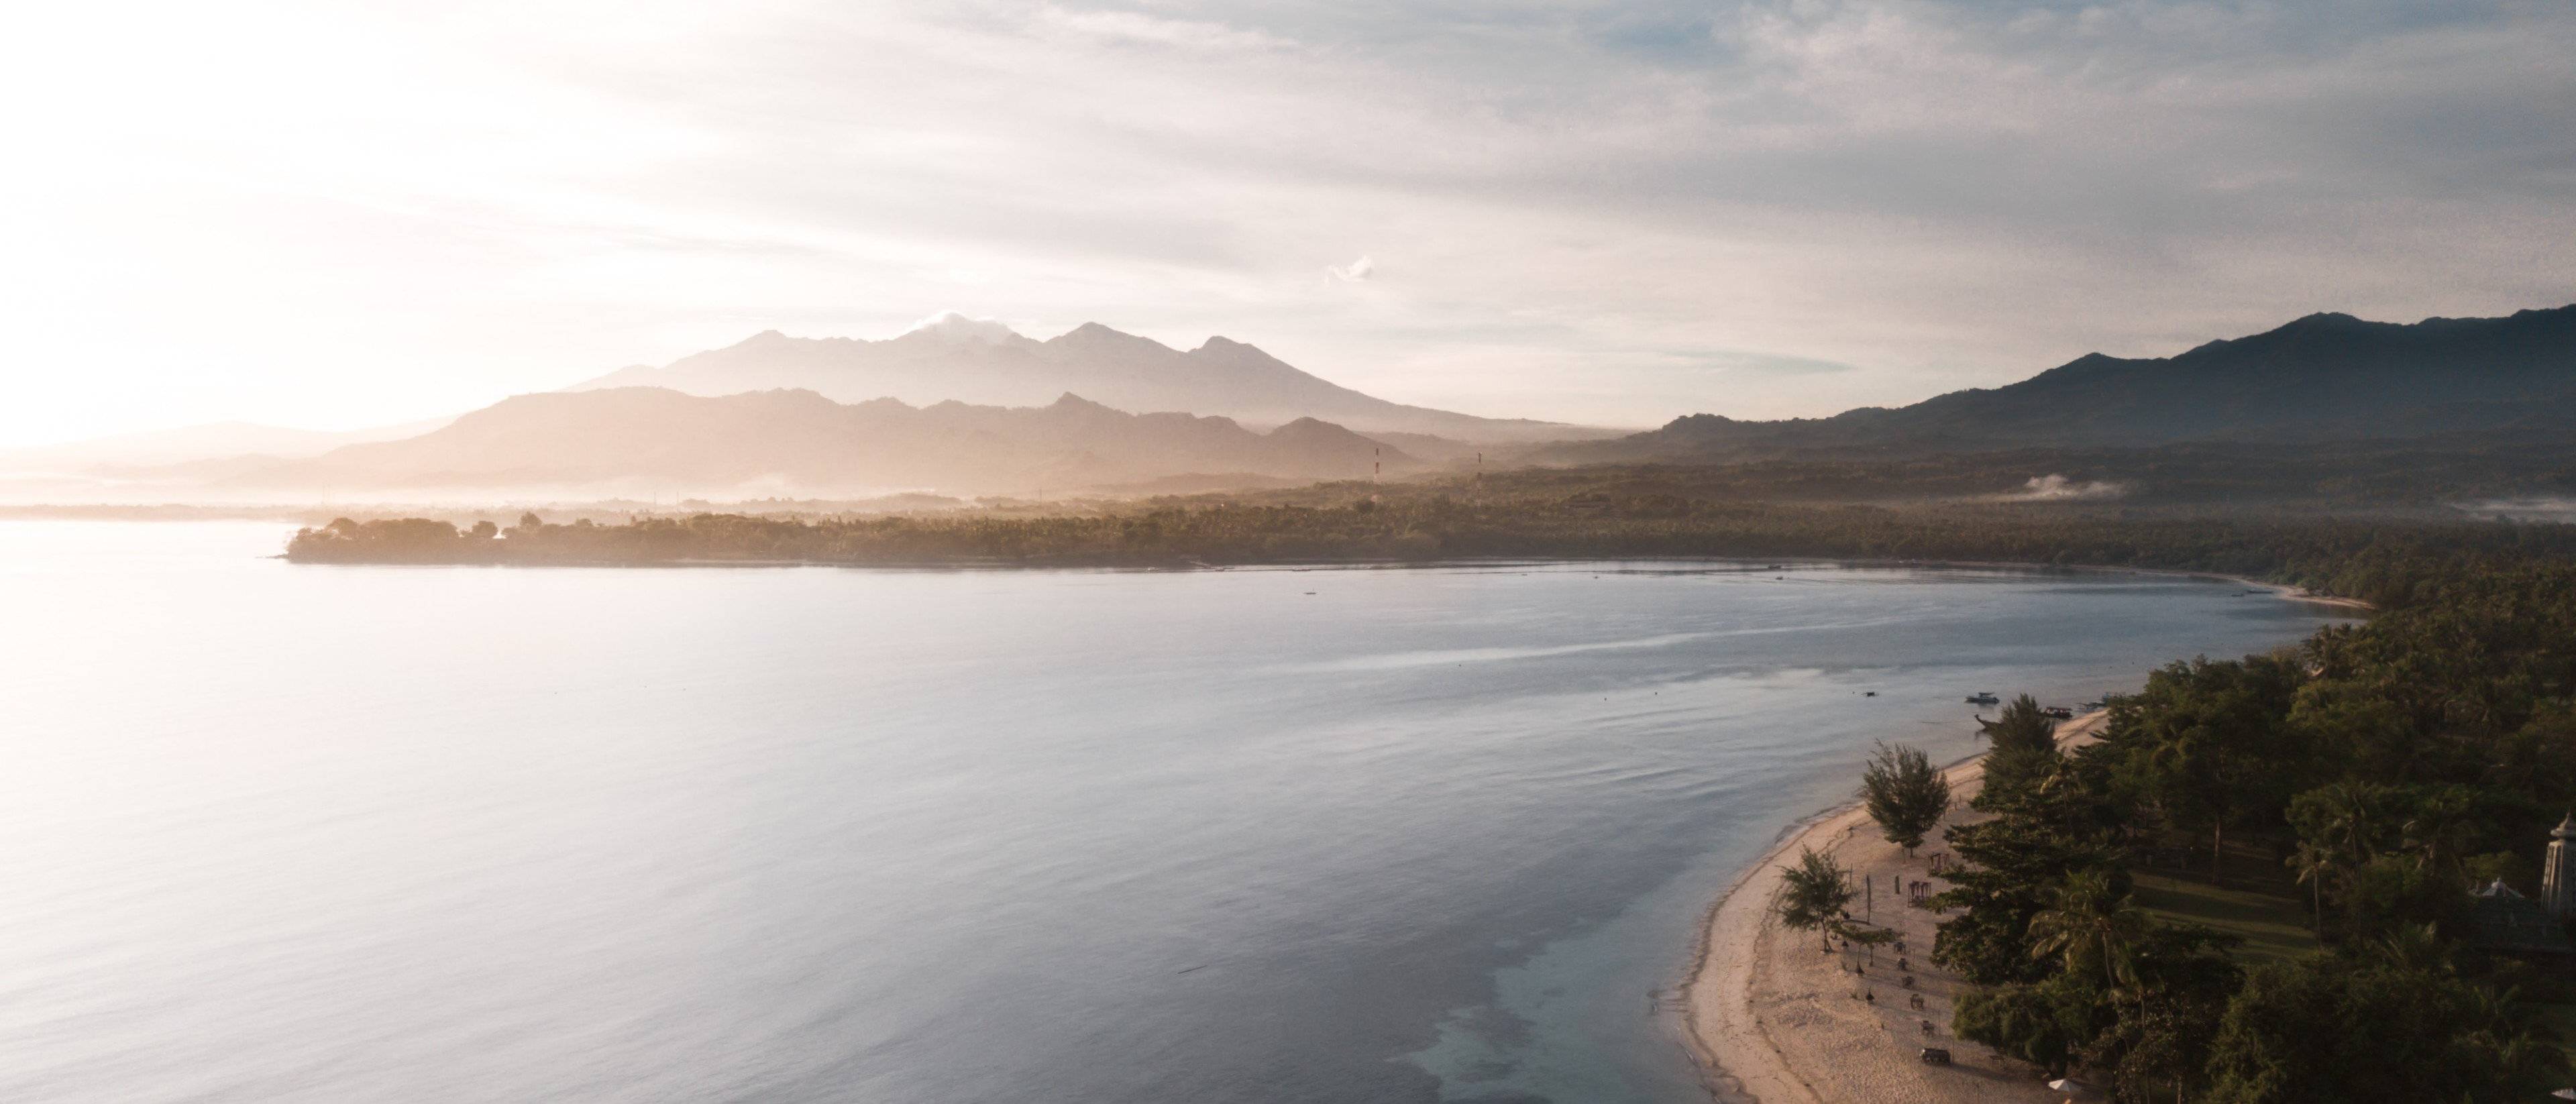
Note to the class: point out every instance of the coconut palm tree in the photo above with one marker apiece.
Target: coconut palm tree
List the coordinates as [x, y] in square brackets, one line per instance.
[2414, 947]
[2440, 829]
[2352, 819]
[2092, 926]
[2315, 863]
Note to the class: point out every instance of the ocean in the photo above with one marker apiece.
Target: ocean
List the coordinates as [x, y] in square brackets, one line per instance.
[330, 834]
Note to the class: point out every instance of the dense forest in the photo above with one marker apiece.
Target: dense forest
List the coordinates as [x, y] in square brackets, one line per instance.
[1633, 513]
[2384, 773]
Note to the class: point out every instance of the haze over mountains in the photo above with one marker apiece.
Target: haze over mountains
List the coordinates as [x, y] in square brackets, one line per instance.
[2324, 382]
[2322, 378]
[215, 440]
[647, 441]
[961, 359]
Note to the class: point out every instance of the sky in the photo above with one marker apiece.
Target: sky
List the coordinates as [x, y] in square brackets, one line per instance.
[339, 215]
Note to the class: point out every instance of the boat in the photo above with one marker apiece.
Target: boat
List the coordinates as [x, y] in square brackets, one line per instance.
[2060, 712]
[1982, 697]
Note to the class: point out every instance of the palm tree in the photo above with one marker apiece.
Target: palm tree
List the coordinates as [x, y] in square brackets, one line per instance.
[2414, 947]
[2188, 769]
[2091, 926]
[2315, 863]
[2440, 829]
[2353, 820]
[1814, 895]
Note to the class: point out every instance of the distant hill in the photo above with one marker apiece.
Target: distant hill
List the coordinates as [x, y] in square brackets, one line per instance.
[2323, 378]
[643, 441]
[985, 362]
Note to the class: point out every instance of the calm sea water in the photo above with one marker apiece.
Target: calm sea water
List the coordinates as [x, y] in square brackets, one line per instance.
[332, 834]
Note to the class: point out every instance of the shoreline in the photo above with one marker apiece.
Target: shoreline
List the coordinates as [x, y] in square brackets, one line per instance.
[1738, 975]
[2284, 591]
[1748, 977]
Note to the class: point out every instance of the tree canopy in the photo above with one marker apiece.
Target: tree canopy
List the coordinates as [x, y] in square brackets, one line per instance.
[1904, 794]
[2387, 767]
[1815, 895]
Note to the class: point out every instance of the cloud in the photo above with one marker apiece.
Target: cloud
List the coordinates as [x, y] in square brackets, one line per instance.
[1937, 194]
[2058, 488]
[1137, 27]
[1753, 364]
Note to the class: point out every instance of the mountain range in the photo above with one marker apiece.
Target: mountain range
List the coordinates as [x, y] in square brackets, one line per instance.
[966, 360]
[649, 441]
[727, 428]
[2322, 378]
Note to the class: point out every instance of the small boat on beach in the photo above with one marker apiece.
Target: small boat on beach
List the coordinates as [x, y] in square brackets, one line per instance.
[1982, 697]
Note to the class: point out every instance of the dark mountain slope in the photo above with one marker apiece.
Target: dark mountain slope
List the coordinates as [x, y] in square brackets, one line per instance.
[2323, 378]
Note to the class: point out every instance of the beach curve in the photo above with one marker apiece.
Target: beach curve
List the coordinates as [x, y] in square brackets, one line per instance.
[1772, 1019]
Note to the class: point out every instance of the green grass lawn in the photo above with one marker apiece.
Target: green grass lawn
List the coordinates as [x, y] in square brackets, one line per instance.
[2274, 925]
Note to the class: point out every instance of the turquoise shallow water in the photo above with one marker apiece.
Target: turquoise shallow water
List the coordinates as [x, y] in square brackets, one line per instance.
[468, 834]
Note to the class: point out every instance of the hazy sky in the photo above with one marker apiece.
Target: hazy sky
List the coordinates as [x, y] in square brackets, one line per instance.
[342, 214]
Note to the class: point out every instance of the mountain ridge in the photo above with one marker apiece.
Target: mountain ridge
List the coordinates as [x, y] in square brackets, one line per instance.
[2321, 377]
[1220, 376]
[657, 440]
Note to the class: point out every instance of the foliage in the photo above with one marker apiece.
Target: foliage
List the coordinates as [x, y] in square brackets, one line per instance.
[2023, 754]
[1904, 794]
[2204, 745]
[2161, 1040]
[1583, 514]
[2088, 924]
[2388, 766]
[2044, 1023]
[1815, 896]
[2011, 861]
[2341, 1029]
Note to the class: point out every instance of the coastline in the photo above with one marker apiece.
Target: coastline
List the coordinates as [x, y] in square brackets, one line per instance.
[2284, 591]
[1748, 977]
[1770, 1019]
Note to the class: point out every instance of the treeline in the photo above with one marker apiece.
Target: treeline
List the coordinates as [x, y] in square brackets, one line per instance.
[2376, 559]
[2386, 770]
[2367, 474]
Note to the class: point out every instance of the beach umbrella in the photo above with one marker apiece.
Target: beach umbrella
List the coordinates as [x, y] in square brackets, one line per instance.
[2565, 1094]
[2074, 1089]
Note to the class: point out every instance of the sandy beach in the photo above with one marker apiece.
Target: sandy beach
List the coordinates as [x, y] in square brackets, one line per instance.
[1777, 1020]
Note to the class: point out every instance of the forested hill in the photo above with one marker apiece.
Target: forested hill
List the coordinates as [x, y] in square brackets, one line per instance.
[2323, 378]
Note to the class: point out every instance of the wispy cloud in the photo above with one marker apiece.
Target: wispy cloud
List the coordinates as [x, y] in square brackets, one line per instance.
[1139, 27]
[500, 197]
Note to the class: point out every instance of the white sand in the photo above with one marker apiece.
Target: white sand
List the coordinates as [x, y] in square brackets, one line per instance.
[1783, 1022]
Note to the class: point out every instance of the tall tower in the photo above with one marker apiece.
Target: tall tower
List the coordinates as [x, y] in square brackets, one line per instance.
[2558, 871]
